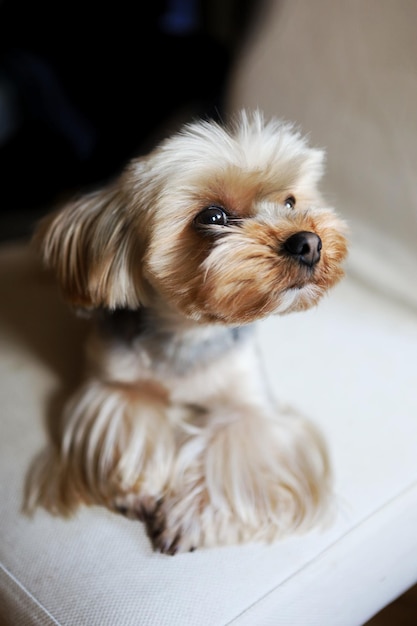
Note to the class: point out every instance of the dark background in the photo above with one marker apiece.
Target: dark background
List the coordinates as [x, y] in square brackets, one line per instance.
[84, 86]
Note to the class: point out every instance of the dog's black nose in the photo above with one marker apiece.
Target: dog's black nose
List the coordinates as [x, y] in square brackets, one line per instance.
[304, 246]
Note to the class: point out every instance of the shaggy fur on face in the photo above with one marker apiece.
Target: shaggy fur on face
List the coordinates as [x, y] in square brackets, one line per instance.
[215, 229]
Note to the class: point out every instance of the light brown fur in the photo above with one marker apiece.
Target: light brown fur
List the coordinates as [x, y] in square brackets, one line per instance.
[174, 424]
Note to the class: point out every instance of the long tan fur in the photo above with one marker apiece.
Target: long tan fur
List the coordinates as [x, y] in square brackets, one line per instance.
[174, 423]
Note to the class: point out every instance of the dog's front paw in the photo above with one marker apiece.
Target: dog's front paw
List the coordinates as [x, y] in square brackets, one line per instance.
[178, 525]
[136, 506]
[185, 522]
[151, 511]
[166, 537]
[254, 480]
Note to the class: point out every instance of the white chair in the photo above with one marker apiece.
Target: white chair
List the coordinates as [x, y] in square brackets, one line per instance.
[321, 65]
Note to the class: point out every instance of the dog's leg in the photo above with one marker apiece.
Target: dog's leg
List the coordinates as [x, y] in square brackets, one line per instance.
[116, 450]
[245, 475]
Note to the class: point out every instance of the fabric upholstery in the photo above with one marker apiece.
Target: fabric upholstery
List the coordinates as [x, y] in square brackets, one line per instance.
[346, 73]
[348, 364]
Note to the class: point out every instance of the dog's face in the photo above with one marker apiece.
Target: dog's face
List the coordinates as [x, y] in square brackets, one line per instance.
[220, 225]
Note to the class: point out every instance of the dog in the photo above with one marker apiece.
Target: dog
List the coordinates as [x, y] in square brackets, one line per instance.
[174, 261]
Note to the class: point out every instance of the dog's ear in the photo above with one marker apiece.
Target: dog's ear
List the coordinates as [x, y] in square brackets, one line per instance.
[94, 247]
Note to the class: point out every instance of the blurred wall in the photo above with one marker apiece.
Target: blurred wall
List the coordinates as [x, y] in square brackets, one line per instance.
[347, 73]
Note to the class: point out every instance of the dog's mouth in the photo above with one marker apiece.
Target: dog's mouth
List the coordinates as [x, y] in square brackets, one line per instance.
[303, 275]
[302, 282]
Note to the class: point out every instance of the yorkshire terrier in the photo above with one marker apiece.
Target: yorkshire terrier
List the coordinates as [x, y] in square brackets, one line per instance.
[218, 227]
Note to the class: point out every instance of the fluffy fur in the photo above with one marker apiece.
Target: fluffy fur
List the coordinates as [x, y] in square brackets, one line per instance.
[174, 425]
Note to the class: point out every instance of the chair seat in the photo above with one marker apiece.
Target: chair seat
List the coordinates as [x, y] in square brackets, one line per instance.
[349, 364]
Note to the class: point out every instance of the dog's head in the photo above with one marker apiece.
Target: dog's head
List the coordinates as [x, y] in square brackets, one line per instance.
[218, 224]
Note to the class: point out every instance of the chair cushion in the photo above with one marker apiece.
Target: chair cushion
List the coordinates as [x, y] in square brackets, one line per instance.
[358, 385]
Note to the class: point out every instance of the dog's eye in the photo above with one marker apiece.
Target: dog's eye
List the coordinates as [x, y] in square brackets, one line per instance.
[211, 216]
[289, 202]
